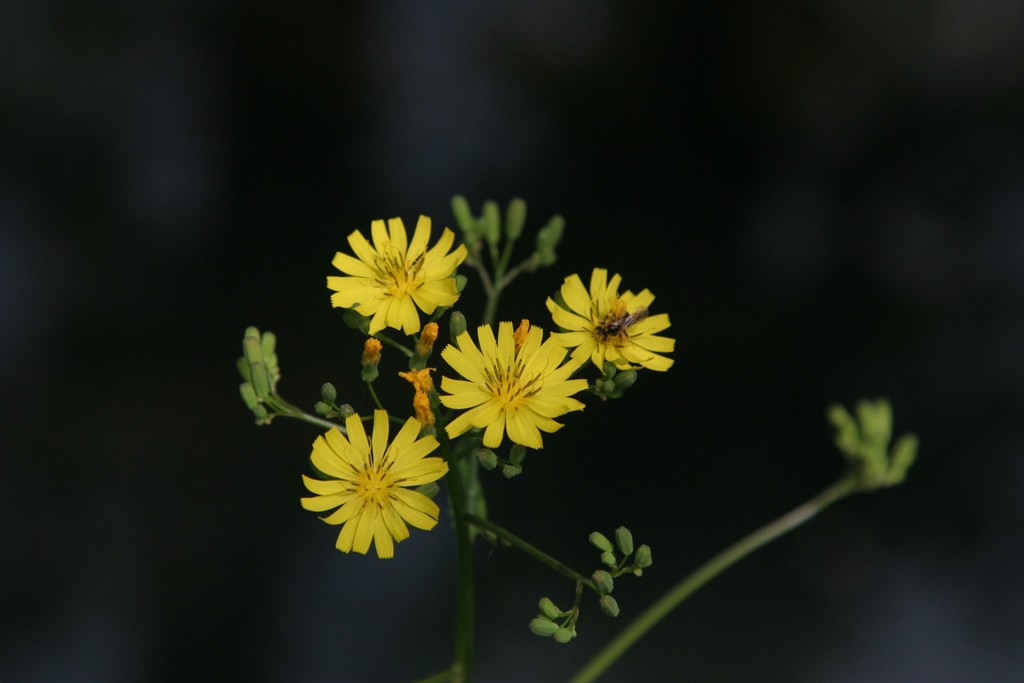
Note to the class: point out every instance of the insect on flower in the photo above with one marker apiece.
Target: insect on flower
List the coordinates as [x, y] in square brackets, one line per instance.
[616, 324]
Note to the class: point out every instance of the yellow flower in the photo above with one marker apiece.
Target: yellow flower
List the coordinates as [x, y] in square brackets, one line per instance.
[368, 483]
[604, 325]
[520, 388]
[392, 278]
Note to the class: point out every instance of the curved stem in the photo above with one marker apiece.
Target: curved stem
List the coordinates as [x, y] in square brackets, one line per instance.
[709, 570]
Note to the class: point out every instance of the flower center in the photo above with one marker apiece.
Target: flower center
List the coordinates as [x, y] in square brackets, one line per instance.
[508, 386]
[394, 275]
[373, 486]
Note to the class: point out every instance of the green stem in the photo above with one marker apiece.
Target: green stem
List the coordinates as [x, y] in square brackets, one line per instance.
[464, 599]
[530, 550]
[709, 570]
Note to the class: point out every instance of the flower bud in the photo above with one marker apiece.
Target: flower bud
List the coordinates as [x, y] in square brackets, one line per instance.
[355, 320]
[490, 222]
[249, 396]
[486, 457]
[509, 471]
[517, 454]
[548, 609]
[460, 283]
[322, 409]
[563, 635]
[903, 455]
[456, 326]
[602, 581]
[608, 558]
[464, 219]
[515, 218]
[624, 539]
[543, 627]
[550, 235]
[345, 410]
[608, 605]
[251, 347]
[643, 556]
[260, 379]
[328, 393]
[600, 541]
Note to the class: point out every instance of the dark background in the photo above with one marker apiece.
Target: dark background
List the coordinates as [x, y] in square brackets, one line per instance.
[826, 197]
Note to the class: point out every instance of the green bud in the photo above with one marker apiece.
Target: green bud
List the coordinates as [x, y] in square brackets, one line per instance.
[486, 457]
[546, 257]
[903, 455]
[243, 368]
[624, 539]
[456, 325]
[260, 378]
[515, 218]
[517, 454]
[429, 490]
[260, 412]
[608, 558]
[600, 541]
[563, 635]
[491, 222]
[548, 609]
[328, 393]
[643, 556]
[550, 235]
[464, 216]
[509, 471]
[637, 572]
[602, 581]
[345, 410]
[543, 627]
[876, 422]
[251, 347]
[268, 342]
[624, 380]
[249, 396]
[847, 434]
[609, 606]
[460, 283]
[322, 409]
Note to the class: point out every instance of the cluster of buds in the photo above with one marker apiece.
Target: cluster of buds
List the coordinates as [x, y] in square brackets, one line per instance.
[552, 622]
[510, 467]
[626, 561]
[864, 441]
[613, 383]
[488, 228]
[260, 372]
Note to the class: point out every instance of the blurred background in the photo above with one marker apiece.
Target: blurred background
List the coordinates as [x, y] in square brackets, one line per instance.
[826, 197]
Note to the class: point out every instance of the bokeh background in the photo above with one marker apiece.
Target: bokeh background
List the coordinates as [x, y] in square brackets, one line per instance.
[826, 197]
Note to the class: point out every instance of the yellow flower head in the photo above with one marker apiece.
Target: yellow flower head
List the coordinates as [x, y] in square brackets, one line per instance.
[392, 278]
[604, 325]
[368, 483]
[519, 388]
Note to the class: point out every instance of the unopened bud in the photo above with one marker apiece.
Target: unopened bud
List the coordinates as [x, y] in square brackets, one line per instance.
[543, 627]
[624, 539]
[608, 558]
[509, 471]
[600, 541]
[370, 359]
[260, 378]
[249, 396]
[548, 608]
[517, 454]
[603, 581]
[345, 410]
[515, 218]
[609, 606]
[487, 458]
[563, 635]
[643, 556]
[430, 490]
[328, 393]
[456, 326]
[490, 222]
